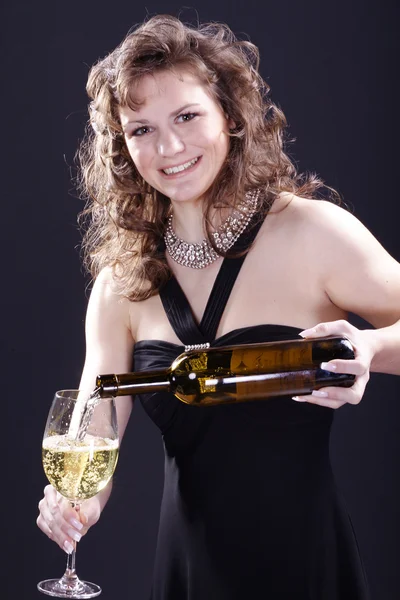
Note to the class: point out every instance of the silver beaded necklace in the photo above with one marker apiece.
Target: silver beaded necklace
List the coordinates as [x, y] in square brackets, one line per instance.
[198, 256]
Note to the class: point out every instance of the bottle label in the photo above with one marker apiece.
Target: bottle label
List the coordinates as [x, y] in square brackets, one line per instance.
[287, 358]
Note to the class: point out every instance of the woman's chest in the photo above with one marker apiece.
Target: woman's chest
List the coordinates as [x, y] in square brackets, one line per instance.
[271, 287]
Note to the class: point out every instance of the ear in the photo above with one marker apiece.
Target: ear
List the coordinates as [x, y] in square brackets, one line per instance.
[231, 123]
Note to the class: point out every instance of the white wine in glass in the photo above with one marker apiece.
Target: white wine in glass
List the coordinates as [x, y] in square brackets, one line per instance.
[79, 453]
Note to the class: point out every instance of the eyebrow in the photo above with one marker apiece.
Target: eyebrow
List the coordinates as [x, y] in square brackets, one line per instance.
[173, 114]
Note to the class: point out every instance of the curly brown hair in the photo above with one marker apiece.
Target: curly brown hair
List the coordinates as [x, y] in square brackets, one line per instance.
[124, 216]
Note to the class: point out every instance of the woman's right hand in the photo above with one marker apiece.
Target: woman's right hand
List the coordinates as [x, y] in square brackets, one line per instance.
[61, 522]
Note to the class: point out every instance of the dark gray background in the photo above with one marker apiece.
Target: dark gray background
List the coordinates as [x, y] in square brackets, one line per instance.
[333, 69]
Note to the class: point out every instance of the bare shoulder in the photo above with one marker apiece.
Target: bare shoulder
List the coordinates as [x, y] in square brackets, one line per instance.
[337, 239]
[314, 213]
[358, 274]
[329, 225]
[306, 211]
[104, 287]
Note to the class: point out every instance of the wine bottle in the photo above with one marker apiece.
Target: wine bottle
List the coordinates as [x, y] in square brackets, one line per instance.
[231, 374]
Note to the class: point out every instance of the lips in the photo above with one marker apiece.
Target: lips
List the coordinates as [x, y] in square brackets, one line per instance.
[180, 168]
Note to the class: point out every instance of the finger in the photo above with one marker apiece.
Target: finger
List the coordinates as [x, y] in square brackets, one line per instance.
[65, 528]
[353, 367]
[84, 520]
[89, 512]
[49, 522]
[326, 402]
[340, 327]
[71, 524]
[50, 495]
[60, 508]
[68, 514]
[68, 546]
[41, 523]
[351, 395]
[76, 518]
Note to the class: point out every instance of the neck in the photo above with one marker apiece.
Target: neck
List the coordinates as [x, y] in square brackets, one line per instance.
[188, 220]
[190, 249]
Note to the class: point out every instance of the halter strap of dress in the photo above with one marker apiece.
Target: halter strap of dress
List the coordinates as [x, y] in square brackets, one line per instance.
[177, 306]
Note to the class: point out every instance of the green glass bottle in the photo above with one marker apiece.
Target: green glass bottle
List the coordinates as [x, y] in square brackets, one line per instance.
[229, 374]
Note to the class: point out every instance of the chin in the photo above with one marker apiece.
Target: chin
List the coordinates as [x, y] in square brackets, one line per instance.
[189, 195]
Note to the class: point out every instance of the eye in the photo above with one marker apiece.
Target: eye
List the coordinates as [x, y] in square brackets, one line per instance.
[185, 117]
[139, 132]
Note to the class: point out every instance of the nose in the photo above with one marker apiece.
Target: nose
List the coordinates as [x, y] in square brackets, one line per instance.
[169, 144]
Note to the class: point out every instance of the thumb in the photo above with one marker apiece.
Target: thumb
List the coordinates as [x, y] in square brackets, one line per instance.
[83, 517]
[340, 327]
[80, 514]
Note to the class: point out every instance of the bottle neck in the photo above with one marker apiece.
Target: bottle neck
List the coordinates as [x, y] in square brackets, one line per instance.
[127, 384]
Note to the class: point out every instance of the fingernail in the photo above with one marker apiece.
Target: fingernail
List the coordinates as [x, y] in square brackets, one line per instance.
[74, 534]
[298, 399]
[307, 332]
[68, 547]
[76, 524]
[328, 366]
[320, 394]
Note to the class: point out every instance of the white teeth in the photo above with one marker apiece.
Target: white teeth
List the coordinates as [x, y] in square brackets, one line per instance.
[180, 167]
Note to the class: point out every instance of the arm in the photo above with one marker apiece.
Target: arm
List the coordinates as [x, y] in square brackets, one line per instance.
[386, 357]
[365, 280]
[109, 342]
[360, 277]
[109, 347]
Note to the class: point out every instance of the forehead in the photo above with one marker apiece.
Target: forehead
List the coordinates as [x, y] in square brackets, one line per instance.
[166, 90]
[164, 82]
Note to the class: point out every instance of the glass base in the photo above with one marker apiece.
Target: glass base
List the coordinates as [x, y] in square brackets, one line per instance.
[75, 589]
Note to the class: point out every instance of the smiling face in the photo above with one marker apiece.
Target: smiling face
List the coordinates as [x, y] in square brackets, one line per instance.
[178, 137]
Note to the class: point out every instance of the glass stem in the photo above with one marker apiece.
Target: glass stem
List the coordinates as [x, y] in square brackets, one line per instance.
[70, 577]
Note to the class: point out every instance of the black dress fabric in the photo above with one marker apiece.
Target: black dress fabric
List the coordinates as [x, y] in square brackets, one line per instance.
[250, 508]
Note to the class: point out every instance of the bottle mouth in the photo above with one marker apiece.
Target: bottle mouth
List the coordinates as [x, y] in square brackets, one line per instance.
[107, 385]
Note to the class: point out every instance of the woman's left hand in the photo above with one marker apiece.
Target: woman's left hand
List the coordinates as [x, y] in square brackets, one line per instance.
[335, 397]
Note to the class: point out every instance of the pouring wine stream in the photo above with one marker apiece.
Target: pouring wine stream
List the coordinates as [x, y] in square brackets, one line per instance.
[83, 412]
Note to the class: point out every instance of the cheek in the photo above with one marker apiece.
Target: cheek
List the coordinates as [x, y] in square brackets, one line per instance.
[221, 145]
[218, 143]
[140, 158]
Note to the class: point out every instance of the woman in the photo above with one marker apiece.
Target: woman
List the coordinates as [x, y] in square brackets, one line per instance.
[185, 151]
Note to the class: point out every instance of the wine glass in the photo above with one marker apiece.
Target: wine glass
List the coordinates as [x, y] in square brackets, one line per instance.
[79, 453]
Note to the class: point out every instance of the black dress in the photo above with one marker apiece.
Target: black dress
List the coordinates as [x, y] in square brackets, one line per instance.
[250, 509]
